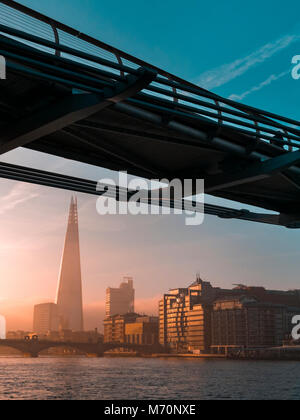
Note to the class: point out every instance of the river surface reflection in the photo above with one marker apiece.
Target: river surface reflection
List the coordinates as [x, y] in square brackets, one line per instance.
[138, 378]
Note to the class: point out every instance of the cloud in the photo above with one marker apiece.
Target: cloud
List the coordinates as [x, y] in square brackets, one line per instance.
[221, 75]
[267, 82]
[19, 194]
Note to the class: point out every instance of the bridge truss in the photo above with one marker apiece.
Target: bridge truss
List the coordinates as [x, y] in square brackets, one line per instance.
[72, 96]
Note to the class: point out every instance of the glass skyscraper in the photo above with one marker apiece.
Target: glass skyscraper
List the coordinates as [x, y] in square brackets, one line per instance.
[69, 295]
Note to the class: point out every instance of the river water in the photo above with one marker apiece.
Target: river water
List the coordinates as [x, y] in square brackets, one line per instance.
[138, 378]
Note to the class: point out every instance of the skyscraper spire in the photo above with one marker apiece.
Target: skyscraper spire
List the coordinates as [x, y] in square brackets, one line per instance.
[69, 295]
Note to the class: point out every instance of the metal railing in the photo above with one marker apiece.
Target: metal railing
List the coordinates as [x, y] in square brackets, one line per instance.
[96, 65]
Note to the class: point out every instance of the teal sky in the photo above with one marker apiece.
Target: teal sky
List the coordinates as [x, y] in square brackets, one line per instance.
[237, 49]
[193, 37]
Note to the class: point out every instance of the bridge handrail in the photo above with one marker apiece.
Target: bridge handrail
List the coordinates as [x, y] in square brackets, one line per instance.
[169, 94]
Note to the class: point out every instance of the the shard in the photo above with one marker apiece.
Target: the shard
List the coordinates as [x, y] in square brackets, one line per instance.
[69, 295]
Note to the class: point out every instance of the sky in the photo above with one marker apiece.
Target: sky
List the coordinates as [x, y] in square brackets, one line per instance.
[239, 50]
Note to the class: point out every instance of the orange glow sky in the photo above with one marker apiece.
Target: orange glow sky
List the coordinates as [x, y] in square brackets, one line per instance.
[160, 252]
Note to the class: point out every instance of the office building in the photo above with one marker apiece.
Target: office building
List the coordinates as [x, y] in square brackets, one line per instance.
[67, 313]
[114, 327]
[143, 331]
[45, 318]
[280, 297]
[120, 300]
[66, 336]
[202, 317]
[247, 323]
[185, 318]
[69, 296]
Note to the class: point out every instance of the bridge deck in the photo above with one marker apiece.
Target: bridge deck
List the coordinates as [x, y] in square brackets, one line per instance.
[34, 347]
[72, 96]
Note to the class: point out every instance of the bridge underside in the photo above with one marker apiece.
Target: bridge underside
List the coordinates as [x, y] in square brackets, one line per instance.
[127, 115]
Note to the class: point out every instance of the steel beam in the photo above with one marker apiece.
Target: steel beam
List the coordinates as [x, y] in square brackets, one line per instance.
[254, 172]
[203, 137]
[39, 177]
[138, 133]
[295, 181]
[71, 109]
[102, 144]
